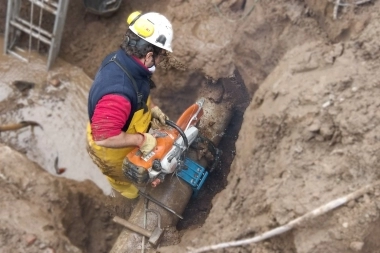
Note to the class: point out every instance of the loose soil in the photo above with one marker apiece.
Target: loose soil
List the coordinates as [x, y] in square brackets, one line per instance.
[306, 132]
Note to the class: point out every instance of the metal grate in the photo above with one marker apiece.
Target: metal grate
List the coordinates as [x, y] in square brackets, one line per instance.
[26, 17]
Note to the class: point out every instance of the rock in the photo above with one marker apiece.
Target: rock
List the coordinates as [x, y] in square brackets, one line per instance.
[49, 250]
[356, 246]
[298, 149]
[351, 204]
[344, 84]
[55, 82]
[42, 246]
[335, 234]
[327, 130]
[237, 5]
[30, 239]
[57, 79]
[109, 236]
[327, 104]
[304, 67]
[307, 136]
[315, 126]
[319, 138]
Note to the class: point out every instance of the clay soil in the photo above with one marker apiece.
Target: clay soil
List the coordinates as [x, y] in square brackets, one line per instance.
[305, 133]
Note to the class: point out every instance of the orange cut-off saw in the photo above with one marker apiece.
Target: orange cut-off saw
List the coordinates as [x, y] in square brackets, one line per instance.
[169, 154]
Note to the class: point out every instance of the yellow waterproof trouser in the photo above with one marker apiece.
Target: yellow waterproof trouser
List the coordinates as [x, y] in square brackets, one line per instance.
[128, 190]
[110, 160]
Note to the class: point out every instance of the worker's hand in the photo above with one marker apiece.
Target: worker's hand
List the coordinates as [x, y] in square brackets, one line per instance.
[156, 124]
[148, 144]
[158, 114]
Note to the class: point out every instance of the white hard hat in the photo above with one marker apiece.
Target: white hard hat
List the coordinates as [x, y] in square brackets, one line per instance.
[153, 28]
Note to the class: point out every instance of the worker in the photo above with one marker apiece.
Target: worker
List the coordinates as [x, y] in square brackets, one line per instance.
[119, 104]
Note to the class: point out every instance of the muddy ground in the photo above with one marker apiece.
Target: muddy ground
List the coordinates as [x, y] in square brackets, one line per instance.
[309, 134]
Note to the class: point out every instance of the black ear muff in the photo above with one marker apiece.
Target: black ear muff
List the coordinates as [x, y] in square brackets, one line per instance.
[161, 39]
[137, 43]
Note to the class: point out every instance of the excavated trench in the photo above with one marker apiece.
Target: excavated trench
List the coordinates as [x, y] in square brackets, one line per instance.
[225, 102]
[198, 208]
[173, 100]
[60, 111]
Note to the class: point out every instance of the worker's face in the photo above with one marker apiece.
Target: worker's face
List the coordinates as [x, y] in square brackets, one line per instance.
[151, 60]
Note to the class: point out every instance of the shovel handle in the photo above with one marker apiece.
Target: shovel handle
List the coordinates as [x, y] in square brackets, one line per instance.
[132, 226]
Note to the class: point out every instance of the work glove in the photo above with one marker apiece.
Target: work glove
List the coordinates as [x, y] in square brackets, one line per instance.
[159, 115]
[148, 144]
[156, 124]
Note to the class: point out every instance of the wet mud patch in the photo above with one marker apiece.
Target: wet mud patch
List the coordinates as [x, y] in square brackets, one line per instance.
[56, 104]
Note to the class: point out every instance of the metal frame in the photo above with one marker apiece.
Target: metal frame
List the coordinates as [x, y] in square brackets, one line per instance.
[15, 25]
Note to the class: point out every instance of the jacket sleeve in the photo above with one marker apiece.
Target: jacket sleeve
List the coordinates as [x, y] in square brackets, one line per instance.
[110, 115]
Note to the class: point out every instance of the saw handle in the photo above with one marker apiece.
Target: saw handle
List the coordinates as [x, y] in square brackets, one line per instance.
[182, 133]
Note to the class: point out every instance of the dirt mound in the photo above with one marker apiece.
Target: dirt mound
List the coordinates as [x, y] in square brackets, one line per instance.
[309, 136]
[211, 39]
[42, 213]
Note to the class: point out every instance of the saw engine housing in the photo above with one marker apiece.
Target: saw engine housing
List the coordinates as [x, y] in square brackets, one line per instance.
[169, 154]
